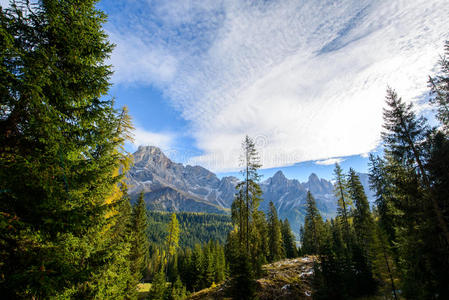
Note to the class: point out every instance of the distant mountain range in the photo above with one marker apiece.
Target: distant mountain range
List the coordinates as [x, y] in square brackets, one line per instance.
[170, 186]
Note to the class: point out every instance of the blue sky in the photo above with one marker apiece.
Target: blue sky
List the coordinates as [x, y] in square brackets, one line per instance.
[305, 79]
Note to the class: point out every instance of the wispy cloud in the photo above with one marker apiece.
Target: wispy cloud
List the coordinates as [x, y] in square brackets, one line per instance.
[147, 138]
[306, 77]
[329, 161]
[4, 3]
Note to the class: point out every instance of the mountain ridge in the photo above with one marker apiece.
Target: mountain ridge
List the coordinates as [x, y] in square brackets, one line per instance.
[171, 186]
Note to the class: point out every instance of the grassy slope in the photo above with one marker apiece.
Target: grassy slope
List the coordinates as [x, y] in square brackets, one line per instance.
[286, 279]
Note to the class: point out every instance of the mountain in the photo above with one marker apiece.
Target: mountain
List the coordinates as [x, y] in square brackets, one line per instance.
[174, 187]
[289, 197]
[170, 186]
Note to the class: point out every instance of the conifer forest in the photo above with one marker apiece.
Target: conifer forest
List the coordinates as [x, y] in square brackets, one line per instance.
[74, 226]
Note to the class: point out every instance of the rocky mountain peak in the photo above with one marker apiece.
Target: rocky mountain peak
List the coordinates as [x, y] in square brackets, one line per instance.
[278, 178]
[153, 150]
[313, 178]
[172, 186]
[151, 155]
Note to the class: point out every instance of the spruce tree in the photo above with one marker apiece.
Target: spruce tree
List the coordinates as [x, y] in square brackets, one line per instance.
[177, 290]
[274, 234]
[288, 240]
[405, 139]
[158, 290]
[172, 241]
[363, 220]
[313, 233]
[140, 248]
[249, 188]
[383, 187]
[244, 245]
[364, 250]
[60, 142]
[344, 202]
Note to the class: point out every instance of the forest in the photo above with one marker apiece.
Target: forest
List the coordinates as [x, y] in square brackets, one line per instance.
[68, 229]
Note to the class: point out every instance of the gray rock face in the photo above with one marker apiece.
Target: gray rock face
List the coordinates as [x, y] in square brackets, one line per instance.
[174, 187]
[171, 186]
[289, 197]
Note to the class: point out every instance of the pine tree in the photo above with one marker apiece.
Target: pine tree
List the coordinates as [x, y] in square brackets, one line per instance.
[274, 234]
[403, 135]
[140, 249]
[197, 268]
[385, 203]
[344, 202]
[249, 188]
[365, 236]
[60, 142]
[158, 290]
[384, 264]
[177, 290]
[244, 245]
[363, 220]
[288, 240]
[172, 242]
[313, 232]
[122, 239]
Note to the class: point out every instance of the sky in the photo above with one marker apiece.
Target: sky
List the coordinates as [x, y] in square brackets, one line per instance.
[305, 79]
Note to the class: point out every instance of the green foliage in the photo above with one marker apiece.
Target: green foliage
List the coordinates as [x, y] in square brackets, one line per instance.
[140, 248]
[288, 240]
[61, 148]
[345, 246]
[194, 228]
[243, 283]
[344, 202]
[415, 194]
[274, 235]
[313, 231]
[177, 290]
[364, 228]
[172, 240]
[158, 290]
[247, 244]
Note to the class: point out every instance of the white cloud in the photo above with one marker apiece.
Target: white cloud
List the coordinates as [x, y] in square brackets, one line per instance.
[365, 155]
[4, 3]
[307, 78]
[329, 161]
[134, 61]
[147, 138]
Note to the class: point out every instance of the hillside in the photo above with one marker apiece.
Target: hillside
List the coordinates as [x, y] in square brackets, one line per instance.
[195, 228]
[285, 279]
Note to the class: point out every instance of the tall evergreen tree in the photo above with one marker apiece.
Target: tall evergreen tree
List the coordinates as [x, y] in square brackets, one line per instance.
[172, 242]
[60, 142]
[158, 290]
[274, 234]
[140, 248]
[383, 187]
[344, 202]
[313, 233]
[363, 220]
[288, 240]
[249, 188]
[364, 229]
[405, 138]
[246, 255]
